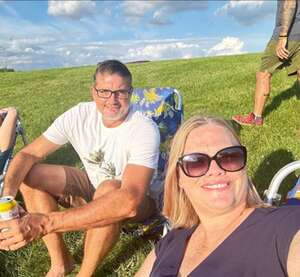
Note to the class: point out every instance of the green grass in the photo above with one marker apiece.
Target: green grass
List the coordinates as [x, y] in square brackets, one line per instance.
[220, 85]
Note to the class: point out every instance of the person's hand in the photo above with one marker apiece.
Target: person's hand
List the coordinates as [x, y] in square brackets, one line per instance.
[281, 50]
[19, 232]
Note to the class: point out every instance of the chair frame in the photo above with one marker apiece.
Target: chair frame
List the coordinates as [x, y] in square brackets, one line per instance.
[271, 194]
[19, 132]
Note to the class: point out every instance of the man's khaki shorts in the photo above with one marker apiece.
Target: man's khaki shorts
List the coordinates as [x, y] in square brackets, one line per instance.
[78, 190]
[270, 61]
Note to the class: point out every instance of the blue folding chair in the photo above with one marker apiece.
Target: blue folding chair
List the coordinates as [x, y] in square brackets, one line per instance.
[19, 132]
[164, 106]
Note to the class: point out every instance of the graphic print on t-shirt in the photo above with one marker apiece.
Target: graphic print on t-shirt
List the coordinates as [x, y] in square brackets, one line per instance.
[108, 168]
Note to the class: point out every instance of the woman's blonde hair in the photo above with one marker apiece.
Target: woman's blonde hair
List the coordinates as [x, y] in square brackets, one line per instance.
[177, 207]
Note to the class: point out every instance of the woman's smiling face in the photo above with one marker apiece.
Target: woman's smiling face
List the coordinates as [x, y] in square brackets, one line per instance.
[217, 191]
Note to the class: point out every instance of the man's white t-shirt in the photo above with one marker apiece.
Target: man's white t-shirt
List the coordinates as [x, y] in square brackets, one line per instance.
[105, 152]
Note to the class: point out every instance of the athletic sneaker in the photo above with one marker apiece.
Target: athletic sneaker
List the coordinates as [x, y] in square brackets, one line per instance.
[248, 119]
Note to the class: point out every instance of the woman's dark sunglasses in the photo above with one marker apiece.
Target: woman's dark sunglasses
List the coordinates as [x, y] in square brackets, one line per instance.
[230, 159]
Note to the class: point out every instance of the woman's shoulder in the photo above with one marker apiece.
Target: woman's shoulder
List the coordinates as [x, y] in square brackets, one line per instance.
[279, 212]
[279, 219]
[176, 235]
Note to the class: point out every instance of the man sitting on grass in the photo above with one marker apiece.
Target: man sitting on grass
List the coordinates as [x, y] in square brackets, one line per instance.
[119, 150]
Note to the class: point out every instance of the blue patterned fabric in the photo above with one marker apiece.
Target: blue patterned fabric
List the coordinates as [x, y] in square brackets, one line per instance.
[293, 196]
[164, 106]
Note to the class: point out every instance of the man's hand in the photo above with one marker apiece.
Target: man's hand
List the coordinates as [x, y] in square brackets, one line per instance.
[281, 50]
[19, 232]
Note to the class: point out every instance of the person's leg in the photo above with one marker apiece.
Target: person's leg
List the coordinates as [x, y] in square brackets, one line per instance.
[99, 241]
[8, 129]
[41, 183]
[262, 92]
[269, 63]
[298, 76]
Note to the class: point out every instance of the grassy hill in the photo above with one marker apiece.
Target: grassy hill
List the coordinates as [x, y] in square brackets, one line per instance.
[219, 85]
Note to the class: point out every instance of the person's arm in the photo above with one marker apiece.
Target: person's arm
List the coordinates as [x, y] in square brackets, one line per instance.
[8, 128]
[110, 208]
[147, 265]
[293, 260]
[287, 14]
[113, 207]
[23, 162]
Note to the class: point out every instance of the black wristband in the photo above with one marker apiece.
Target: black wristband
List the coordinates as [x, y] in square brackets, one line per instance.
[283, 36]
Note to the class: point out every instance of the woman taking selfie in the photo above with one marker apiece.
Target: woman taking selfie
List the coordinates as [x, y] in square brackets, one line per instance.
[221, 228]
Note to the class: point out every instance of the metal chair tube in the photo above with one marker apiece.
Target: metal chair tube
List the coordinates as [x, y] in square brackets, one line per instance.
[271, 194]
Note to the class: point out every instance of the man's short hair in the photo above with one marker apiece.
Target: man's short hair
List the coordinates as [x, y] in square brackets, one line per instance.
[113, 67]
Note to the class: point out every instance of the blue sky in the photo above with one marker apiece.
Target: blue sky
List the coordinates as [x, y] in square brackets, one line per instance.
[45, 34]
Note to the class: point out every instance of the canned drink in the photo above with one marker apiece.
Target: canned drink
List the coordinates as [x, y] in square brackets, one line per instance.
[8, 208]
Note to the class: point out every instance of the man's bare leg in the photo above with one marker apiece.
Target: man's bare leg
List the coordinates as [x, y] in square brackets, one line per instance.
[262, 92]
[99, 241]
[298, 76]
[40, 201]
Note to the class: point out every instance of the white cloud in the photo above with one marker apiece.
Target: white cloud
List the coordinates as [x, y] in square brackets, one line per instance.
[72, 9]
[159, 18]
[29, 50]
[248, 12]
[138, 8]
[166, 49]
[27, 56]
[228, 46]
[159, 11]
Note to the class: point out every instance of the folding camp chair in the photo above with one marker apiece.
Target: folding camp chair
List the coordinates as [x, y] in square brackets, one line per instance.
[19, 132]
[164, 106]
[293, 197]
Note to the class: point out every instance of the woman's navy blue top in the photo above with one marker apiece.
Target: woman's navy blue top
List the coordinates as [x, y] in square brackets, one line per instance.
[258, 247]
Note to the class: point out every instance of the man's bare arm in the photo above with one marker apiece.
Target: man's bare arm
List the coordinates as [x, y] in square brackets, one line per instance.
[23, 162]
[113, 207]
[287, 14]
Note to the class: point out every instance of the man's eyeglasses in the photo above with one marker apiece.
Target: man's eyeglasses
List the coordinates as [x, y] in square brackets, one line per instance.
[106, 93]
[230, 159]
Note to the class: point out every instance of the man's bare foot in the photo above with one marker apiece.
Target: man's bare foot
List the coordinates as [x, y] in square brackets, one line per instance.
[60, 270]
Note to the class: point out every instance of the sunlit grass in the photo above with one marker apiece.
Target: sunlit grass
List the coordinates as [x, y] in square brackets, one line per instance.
[221, 85]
